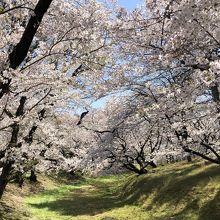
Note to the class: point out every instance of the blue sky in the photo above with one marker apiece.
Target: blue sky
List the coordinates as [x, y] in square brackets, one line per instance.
[130, 4]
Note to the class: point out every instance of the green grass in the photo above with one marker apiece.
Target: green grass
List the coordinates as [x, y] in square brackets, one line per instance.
[179, 191]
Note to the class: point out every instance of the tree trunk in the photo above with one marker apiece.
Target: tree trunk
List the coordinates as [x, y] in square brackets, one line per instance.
[189, 158]
[217, 161]
[4, 178]
[152, 164]
[142, 171]
[33, 177]
[17, 56]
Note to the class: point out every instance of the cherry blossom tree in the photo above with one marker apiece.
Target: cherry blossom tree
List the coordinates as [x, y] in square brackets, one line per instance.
[125, 139]
[56, 55]
[52, 53]
[171, 56]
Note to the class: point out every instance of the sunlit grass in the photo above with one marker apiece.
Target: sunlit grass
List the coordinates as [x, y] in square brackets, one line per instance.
[178, 191]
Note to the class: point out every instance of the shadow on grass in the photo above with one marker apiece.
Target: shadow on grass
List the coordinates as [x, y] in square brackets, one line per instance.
[182, 185]
[4, 210]
[88, 200]
[211, 211]
[164, 184]
[172, 188]
[10, 213]
[188, 190]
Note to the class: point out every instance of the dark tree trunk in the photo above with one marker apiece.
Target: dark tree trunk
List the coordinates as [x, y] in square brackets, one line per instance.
[151, 163]
[33, 177]
[134, 169]
[4, 178]
[21, 49]
[189, 158]
[7, 166]
[217, 160]
[215, 93]
[18, 178]
[142, 171]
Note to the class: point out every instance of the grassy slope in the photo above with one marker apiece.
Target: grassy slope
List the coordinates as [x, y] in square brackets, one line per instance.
[13, 207]
[178, 191]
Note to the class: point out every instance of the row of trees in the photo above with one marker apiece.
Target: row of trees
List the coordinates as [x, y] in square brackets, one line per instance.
[170, 54]
[51, 54]
[162, 60]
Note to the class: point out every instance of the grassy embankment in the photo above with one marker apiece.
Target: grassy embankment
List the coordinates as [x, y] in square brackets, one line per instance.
[179, 191]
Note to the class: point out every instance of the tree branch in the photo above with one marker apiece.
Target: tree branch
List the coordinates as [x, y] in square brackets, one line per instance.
[20, 51]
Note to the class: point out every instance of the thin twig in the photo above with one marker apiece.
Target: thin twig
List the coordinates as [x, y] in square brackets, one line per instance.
[16, 7]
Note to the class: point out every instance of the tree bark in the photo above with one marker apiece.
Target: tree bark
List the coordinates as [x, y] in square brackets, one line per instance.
[20, 51]
[7, 166]
[18, 54]
[202, 155]
[215, 93]
[33, 177]
[134, 169]
[5, 177]
[152, 164]
[189, 158]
